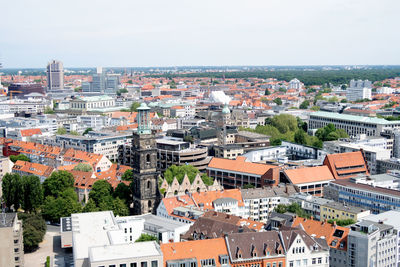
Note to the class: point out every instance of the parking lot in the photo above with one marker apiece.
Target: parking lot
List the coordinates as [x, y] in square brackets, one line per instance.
[51, 246]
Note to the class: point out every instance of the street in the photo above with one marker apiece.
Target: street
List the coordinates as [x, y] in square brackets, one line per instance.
[51, 246]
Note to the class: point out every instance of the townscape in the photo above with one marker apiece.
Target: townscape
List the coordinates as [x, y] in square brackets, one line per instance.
[223, 133]
[187, 169]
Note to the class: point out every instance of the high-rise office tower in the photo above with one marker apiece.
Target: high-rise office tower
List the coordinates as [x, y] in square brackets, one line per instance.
[102, 83]
[55, 75]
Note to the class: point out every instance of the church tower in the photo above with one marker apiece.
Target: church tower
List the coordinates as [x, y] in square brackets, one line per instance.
[146, 195]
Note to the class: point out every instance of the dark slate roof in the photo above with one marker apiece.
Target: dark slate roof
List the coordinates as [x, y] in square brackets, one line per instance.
[207, 228]
[254, 244]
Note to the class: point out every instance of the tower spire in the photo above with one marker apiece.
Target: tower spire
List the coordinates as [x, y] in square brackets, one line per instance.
[143, 119]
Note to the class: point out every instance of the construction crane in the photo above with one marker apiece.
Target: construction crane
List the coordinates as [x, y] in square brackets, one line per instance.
[14, 91]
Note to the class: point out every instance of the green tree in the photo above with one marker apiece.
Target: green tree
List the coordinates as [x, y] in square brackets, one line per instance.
[15, 158]
[300, 137]
[90, 206]
[55, 208]
[83, 167]
[278, 101]
[57, 183]
[32, 193]
[134, 106]
[48, 110]
[123, 192]
[32, 238]
[87, 131]
[207, 180]
[119, 207]
[344, 222]
[61, 131]
[74, 133]
[145, 238]
[293, 208]
[344, 100]
[179, 172]
[305, 104]
[330, 133]
[284, 123]
[127, 176]
[281, 208]
[130, 82]
[248, 186]
[267, 92]
[12, 190]
[333, 99]
[101, 190]
[315, 108]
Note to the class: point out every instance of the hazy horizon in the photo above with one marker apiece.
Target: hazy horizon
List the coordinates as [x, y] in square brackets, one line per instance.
[199, 33]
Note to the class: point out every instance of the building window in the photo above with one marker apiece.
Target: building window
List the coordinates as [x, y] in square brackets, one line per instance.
[133, 264]
[122, 265]
[143, 264]
[154, 263]
[208, 262]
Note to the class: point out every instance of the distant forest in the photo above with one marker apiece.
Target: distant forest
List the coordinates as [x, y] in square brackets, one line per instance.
[308, 77]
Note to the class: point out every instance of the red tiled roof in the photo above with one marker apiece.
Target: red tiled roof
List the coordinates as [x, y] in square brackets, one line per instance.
[309, 175]
[239, 165]
[353, 161]
[30, 132]
[334, 235]
[198, 249]
[32, 168]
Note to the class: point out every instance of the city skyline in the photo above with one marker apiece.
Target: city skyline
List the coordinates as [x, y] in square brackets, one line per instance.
[174, 33]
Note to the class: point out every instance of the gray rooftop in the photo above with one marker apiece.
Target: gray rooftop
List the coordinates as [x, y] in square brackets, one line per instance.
[162, 224]
[124, 251]
[257, 193]
[346, 117]
[224, 200]
[342, 207]
[390, 217]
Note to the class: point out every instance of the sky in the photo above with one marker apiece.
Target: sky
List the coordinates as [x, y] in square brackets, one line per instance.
[130, 33]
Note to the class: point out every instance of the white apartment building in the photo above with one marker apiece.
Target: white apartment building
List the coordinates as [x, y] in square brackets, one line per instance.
[295, 84]
[389, 218]
[354, 94]
[305, 251]
[385, 90]
[259, 202]
[96, 122]
[102, 143]
[353, 125]
[371, 244]
[186, 111]
[101, 239]
[93, 103]
[270, 153]
[27, 106]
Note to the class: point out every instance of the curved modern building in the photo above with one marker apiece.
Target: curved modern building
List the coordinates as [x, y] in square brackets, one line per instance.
[175, 152]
